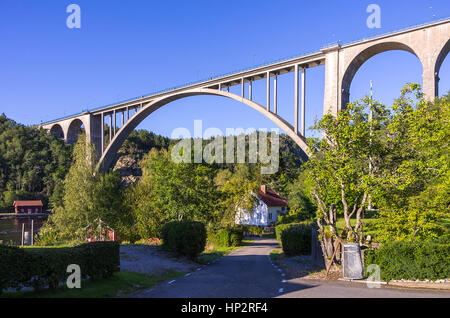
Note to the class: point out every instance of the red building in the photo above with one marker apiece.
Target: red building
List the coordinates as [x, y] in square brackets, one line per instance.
[28, 207]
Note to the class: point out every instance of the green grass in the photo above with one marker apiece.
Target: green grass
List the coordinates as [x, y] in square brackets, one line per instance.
[121, 284]
[368, 226]
[216, 252]
[276, 254]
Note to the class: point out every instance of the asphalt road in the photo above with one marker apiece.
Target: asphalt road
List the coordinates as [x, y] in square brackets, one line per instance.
[249, 272]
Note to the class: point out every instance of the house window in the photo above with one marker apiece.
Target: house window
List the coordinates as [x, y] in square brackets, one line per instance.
[270, 215]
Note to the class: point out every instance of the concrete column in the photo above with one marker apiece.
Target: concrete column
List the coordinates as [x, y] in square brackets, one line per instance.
[102, 134]
[250, 89]
[220, 87]
[115, 122]
[110, 128]
[123, 118]
[268, 92]
[296, 99]
[275, 88]
[303, 101]
[95, 135]
[128, 113]
[332, 94]
[242, 88]
[430, 81]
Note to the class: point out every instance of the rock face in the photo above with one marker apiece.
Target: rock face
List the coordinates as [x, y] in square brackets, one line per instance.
[128, 168]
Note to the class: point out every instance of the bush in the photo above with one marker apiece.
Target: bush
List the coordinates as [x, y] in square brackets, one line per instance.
[254, 230]
[226, 237]
[281, 227]
[184, 237]
[406, 260]
[296, 240]
[47, 267]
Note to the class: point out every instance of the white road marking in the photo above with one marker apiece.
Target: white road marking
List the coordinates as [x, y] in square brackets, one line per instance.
[283, 274]
[280, 290]
[283, 281]
[188, 274]
[172, 281]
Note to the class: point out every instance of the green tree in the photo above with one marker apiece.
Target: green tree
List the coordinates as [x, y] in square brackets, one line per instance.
[171, 191]
[412, 191]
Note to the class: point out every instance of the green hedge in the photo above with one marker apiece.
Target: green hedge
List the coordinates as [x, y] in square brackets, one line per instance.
[254, 230]
[406, 260]
[184, 237]
[281, 227]
[296, 240]
[47, 267]
[226, 237]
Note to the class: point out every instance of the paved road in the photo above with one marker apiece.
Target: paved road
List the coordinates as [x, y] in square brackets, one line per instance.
[249, 272]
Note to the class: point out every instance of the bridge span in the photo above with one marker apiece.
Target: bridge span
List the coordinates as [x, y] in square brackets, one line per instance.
[430, 43]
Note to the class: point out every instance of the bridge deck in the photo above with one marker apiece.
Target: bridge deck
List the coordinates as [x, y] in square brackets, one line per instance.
[278, 67]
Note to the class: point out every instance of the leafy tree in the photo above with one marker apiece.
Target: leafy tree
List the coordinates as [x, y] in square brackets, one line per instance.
[171, 191]
[32, 162]
[412, 186]
[238, 191]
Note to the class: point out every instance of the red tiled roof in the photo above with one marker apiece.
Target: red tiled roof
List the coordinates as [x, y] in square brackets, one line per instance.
[28, 203]
[271, 198]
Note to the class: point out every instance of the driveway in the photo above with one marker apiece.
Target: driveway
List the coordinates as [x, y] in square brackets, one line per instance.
[249, 272]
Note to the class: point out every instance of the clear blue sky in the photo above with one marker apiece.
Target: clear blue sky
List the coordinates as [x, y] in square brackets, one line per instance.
[131, 48]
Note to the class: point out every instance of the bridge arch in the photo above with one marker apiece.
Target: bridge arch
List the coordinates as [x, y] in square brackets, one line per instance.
[355, 64]
[108, 156]
[57, 131]
[74, 130]
[439, 60]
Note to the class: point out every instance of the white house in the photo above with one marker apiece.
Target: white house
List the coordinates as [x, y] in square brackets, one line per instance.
[271, 205]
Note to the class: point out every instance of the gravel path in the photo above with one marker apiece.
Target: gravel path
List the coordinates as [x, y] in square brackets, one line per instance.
[149, 259]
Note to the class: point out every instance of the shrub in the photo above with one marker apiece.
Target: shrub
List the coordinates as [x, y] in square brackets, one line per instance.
[254, 230]
[184, 237]
[407, 260]
[11, 267]
[46, 267]
[281, 227]
[296, 240]
[226, 237]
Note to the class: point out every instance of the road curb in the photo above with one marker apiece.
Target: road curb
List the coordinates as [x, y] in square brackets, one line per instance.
[417, 285]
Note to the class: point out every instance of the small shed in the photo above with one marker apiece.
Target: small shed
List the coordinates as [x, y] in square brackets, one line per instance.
[100, 232]
[28, 207]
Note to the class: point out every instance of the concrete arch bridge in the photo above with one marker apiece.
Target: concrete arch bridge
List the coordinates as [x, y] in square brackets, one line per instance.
[430, 43]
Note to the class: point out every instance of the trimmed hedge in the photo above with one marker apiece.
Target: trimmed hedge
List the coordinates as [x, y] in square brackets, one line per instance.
[47, 267]
[254, 230]
[296, 240]
[406, 260]
[281, 227]
[227, 237]
[184, 237]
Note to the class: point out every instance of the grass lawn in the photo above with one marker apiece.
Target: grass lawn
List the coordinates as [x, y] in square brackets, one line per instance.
[214, 252]
[121, 284]
[276, 254]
